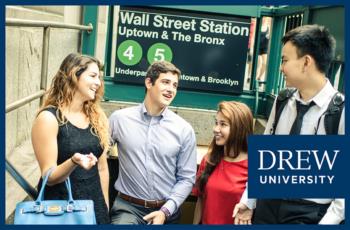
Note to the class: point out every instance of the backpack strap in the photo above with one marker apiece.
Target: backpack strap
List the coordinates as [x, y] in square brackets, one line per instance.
[282, 99]
[333, 114]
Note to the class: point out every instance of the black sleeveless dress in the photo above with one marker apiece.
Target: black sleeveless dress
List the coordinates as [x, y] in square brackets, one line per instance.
[264, 42]
[85, 183]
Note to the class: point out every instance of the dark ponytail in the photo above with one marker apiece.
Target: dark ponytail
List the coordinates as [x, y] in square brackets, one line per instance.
[216, 153]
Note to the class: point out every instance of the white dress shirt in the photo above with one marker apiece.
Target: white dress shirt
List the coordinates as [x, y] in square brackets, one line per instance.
[310, 120]
[336, 211]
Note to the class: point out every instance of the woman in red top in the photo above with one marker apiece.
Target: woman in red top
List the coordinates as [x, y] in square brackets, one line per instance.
[223, 172]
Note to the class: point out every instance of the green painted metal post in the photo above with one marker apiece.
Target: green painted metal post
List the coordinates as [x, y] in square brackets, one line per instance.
[90, 16]
[306, 17]
[275, 56]
[109, 38]
[255, 61]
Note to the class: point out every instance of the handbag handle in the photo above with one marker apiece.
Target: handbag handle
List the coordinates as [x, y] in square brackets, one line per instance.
[46, 178]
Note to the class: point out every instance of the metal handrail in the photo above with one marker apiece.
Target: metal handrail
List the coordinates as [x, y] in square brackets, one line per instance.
[33, 23]
[47, 25]
[31, 191]
[45, 52]
[25, 100]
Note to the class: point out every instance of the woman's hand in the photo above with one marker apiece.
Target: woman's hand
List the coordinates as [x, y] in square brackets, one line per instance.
[84, 161]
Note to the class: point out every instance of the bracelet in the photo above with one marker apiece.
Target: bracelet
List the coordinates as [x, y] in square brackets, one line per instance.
[75, 163]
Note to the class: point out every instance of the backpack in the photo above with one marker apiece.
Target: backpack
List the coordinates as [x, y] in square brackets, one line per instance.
[331, 115]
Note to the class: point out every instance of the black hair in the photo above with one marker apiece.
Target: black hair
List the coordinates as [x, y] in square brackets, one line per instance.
[313, 40]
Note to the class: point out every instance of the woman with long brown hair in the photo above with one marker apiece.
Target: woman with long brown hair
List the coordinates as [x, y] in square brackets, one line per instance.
[223, 172]
[70, 134]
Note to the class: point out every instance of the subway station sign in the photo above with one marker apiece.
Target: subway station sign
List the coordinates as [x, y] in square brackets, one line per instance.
[209, 49]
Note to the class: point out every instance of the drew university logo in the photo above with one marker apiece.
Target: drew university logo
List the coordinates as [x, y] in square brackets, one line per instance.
[297, 167]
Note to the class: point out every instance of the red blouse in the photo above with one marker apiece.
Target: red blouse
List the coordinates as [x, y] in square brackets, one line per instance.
[223, 190]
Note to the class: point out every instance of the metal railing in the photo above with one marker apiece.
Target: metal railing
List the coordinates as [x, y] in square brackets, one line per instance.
[33, 23]
[45, 53]
[46, 25]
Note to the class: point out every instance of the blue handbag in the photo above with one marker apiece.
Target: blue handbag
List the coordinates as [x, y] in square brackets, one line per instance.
[55, 211]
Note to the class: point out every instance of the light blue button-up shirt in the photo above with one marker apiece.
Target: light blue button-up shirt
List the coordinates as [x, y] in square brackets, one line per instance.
[157, 155]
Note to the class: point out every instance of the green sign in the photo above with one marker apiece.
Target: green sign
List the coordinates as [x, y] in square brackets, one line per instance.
[210, 50]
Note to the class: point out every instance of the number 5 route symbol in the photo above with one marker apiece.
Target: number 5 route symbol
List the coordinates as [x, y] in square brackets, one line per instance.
[159, 52]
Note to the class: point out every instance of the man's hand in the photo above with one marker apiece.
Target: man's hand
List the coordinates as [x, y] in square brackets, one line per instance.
[242, 214]
[156, 217]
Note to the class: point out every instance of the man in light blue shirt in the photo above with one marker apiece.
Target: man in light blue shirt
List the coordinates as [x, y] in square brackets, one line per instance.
[157, 153]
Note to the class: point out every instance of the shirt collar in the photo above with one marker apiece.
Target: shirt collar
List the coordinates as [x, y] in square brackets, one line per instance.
[144, 111]
[321, 97]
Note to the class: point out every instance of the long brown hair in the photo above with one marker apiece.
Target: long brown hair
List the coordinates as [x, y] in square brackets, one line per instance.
[240, 120]
[63, 87]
